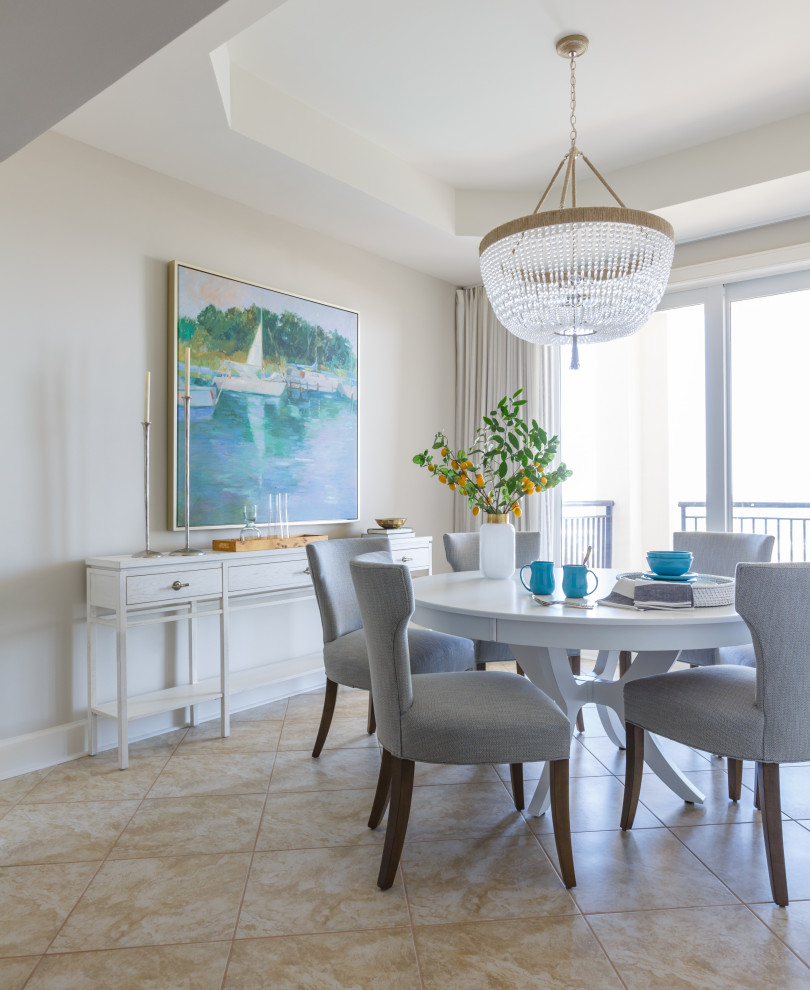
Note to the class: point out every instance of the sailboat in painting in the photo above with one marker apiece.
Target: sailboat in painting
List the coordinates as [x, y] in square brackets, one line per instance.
[246, 377]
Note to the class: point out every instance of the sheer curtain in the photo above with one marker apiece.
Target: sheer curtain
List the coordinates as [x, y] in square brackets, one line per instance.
[492, 363]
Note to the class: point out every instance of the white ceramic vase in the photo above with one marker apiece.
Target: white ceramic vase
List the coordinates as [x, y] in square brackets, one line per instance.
[497, 547]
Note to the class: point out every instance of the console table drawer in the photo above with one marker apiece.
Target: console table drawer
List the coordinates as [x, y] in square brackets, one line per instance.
[269, 576]
[416, 558]
[180, 585]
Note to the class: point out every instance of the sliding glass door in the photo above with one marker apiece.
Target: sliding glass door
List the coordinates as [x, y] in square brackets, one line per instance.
[697, 422]
[770, 456]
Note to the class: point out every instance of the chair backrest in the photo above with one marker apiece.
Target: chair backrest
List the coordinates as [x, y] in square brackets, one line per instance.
[329, 567]
[385, 595]
[719, 553]
[773, 600]
[461, 549]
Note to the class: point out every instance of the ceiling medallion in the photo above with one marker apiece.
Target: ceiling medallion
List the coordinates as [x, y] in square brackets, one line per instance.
[578, 273]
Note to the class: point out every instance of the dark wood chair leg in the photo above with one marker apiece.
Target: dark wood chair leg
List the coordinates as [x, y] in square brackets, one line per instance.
[735, 768]
[401, 792]
[383, 792]
[516, 773]
[756, 786]
[633, 773]
[326, 716]
[561, 821]
[771, 808]
[519, 669]
[576, 668]
[625, 659]
[371, 728]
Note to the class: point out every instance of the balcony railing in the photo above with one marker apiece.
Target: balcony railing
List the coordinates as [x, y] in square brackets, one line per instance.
[789, 522]
[588, 524]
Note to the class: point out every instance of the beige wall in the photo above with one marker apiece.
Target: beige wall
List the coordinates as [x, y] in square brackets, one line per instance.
[86, 238]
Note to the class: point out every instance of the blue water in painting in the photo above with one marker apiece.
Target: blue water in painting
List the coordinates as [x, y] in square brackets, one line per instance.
[248, 447]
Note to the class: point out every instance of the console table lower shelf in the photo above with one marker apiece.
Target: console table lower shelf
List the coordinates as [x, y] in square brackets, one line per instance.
[124, 592]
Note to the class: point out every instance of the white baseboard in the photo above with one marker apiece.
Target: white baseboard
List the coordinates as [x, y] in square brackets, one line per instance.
[61, 743]
[37, 750]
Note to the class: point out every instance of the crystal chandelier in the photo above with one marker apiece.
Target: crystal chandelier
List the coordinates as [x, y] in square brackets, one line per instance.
[579, 273]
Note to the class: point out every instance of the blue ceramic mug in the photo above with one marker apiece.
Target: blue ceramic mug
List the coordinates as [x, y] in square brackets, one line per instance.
[541, 579]
[575, 581]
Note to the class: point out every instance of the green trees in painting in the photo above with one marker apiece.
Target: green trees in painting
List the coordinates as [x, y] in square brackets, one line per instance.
[218, 335]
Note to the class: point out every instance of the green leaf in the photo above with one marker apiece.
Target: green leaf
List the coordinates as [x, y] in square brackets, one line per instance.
[503, 469]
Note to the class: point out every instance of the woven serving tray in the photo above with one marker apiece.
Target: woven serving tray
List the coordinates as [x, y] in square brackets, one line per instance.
[708, 590]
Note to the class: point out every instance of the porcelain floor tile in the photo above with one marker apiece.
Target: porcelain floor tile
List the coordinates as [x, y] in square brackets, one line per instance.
[582, 763]
[488, 877]
[214, 773]
[162, 745]
[62, 833]
[698, 949]
[552, 954]
[181, 826]
[351, 703]
[297, 820]
[334, 769]
[157, 901]
[682, 756]
[34, 902]
[14, 972]
[460, 810]
[717, 809]
[449, 773]
[648, 868]
[736, 853]
[271, 712]
[794, 788]
[791, 924]
[97, 778]
[245, 737]
[14, 788]
[318, 890]
[371, 960]
[595, 803]
[158, 967]
[344, 733]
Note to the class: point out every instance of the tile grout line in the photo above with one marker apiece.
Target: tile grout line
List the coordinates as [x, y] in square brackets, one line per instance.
[252, 856]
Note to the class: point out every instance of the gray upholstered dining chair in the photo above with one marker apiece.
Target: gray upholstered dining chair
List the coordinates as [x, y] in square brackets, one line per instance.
[746, 714]
[719, 553]
[345, 657]
[461, 551]
[458, 718]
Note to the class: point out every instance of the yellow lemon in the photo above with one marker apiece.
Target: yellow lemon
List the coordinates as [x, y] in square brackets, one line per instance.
[479, 480]
[516, 510]
[442, 479]
[476, 510]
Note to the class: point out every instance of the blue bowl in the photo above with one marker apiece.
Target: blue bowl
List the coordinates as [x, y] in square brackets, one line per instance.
[669, 563]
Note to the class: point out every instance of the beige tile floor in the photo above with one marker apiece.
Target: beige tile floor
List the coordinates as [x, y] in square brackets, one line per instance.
[243, 864]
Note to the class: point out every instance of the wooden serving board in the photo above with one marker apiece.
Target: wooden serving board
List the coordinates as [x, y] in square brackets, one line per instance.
[265, 543]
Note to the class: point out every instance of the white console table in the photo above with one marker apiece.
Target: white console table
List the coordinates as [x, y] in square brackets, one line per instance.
[125, 591]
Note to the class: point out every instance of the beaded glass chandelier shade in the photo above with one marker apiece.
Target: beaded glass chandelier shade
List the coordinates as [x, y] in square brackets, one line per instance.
[586, 274]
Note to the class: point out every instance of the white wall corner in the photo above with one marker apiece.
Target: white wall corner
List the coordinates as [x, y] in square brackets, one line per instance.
[221, 62]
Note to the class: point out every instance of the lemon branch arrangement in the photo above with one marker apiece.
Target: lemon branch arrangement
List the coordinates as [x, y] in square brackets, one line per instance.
[507, 461]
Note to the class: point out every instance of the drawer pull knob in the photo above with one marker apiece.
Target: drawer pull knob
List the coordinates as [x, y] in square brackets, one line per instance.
[177, 585]
[306, 570]
[406, 559]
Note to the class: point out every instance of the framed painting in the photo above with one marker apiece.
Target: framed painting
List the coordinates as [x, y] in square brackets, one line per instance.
[272, 379]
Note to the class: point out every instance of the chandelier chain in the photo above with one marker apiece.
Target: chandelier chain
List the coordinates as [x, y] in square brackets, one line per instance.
[573, 117]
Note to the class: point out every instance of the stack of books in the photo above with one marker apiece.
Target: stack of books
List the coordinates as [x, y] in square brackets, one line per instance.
[379, 531]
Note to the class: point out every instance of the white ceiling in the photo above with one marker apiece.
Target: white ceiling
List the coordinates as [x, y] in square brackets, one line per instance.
[411, 129]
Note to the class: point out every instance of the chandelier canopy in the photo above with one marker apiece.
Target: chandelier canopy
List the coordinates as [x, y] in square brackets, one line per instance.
[579, 273]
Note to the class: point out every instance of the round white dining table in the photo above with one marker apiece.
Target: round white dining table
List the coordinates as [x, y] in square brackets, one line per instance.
[468, 604]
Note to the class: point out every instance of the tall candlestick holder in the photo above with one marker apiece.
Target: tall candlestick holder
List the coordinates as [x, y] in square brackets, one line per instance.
[146, 552]
[187, 551]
